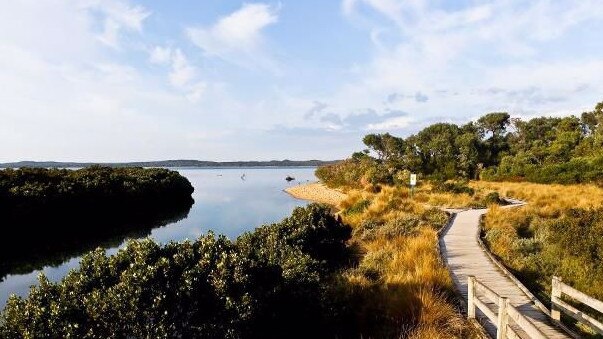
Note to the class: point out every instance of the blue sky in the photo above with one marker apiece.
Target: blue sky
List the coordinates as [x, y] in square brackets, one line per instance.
[125, 80]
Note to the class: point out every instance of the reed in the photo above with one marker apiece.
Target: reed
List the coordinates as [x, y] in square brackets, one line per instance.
[559, 232]
[400, 286]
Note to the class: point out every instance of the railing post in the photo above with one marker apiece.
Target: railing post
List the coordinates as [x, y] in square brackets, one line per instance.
[555, 293]
[470, 297]
[503, 318]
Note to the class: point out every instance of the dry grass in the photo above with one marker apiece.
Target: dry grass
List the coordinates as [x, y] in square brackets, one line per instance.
[544, 201]
[544, 238]
[427, 195]
[400, 278]
[547, 198]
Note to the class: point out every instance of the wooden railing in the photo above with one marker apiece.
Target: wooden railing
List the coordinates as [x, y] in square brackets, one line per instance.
[505, 313]
[558, 305]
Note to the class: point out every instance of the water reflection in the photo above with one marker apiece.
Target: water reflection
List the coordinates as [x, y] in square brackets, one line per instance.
[223, 202]
[50, 240]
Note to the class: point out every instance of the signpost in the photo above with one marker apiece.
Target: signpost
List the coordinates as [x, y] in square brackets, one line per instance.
[413, 183]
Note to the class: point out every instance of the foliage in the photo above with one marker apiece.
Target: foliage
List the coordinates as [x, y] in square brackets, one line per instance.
[358, 207]
[29, 190]
[267, 283]
[495, 147]
[400, 288]
[454, 187]
[359, 171]
[493, 198]
[559, 232]
[63, 213]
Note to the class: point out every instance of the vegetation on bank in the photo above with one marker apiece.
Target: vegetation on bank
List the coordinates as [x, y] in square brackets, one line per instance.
[272, 282]
[495, 147]
[55, 214]
[28, 190]
[559, 232]
[312, 275]
[306, 276]
[400, 287]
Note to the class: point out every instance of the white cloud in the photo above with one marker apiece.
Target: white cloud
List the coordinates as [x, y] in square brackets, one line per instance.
[182, 71]
[238, 37]
[391, 124]
[160, 55]
[128, 16]
[348, 7]
[196, 91]
[453, 56]
[109, 36]
[118, 16]
[65, 98]
[183, 75]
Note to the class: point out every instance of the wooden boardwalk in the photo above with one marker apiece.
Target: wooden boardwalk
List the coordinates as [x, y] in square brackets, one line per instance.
[464, 257]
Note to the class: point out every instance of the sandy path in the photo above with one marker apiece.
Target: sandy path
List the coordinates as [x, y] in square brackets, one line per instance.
[316, 192]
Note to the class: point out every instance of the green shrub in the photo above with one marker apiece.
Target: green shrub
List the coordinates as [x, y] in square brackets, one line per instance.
[358, 207]
[493, 198]
[455, 187]
[48, 207]
[569, 245]
[367, 230]
[435, 217]
[401, 226]
[268, 283]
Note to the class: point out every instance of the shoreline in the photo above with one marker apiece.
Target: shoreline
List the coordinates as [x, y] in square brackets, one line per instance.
[316, 192]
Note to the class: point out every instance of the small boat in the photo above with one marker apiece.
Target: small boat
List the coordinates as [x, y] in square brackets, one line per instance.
[289, 178]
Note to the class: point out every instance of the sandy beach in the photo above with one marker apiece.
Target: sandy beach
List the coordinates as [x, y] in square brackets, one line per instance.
[316, 192]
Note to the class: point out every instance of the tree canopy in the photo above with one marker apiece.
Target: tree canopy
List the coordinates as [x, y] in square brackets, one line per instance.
[494, 147]
[269, 283]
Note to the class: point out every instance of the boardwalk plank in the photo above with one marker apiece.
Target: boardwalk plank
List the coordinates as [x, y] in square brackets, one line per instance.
[464, 257]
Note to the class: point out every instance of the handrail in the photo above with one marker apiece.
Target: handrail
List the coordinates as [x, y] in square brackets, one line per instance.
[506, 312]
[558, 305]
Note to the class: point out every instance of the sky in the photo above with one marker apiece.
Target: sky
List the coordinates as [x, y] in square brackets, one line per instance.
[127, 80]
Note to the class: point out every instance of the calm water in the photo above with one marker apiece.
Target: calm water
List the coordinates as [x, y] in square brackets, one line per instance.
[224, 203]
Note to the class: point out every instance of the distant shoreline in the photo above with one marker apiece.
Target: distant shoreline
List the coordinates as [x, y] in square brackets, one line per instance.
[173, 164]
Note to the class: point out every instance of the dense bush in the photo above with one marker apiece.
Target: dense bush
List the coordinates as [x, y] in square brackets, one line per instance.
[55, 214]
[567, 243]
[28, 190]
[359, 171]
[268, 283]
[495, 147]
[403, 225]
[358, 207]
[455, 187]
[493, 198]
[572, 171]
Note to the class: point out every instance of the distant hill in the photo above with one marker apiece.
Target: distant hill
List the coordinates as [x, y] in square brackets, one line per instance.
[171, 163]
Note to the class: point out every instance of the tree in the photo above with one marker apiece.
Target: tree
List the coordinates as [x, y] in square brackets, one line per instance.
[494, 123]
[492, 128]
[375, 143]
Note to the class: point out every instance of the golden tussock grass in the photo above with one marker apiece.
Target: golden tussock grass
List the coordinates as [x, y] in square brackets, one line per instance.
[545, 238]
[402, 278]
[547, 197]
[543, 201]
[448, 199]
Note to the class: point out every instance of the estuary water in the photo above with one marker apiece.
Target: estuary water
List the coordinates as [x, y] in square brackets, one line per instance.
[228, 201]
